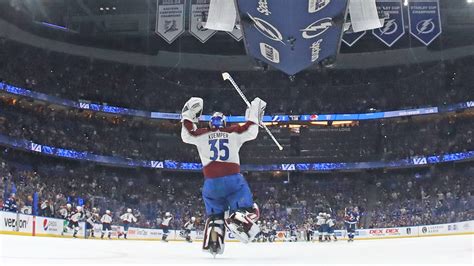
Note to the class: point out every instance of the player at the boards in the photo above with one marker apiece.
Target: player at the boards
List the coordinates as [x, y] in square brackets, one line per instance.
[227, 197]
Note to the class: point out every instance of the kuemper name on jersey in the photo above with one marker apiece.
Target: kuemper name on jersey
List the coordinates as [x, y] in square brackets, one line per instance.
[219, 135]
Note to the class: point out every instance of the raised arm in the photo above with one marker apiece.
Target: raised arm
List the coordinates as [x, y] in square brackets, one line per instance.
[189, 116]
[254, 115]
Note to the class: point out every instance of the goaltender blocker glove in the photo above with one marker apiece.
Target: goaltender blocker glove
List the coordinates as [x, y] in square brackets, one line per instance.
[192, 109]
[256, 111]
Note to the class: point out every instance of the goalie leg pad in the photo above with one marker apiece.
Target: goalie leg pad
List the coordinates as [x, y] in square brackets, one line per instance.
[214, 232]
[242, 225]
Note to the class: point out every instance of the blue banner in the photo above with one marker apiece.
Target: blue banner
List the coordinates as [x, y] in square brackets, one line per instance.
[425, 20]
[292, 35]
[350, 38]
[233, 119]
[394, 27]
[187, 166]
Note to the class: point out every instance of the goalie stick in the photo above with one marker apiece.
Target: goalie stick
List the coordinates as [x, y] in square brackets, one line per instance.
[226, 76]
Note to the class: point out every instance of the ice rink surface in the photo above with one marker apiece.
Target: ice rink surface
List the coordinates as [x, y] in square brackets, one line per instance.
[450, 250]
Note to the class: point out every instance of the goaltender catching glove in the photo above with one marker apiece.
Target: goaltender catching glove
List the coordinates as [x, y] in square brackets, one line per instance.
[192, 109]
[256, 111]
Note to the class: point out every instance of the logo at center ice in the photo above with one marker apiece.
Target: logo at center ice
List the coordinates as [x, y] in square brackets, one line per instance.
[425, 26]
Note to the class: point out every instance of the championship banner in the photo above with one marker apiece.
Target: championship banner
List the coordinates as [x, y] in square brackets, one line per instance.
[350, 37]
[394, 27]
[199, 12]
[292, 35]
[237, 33]
[169, 19]
[425, 20]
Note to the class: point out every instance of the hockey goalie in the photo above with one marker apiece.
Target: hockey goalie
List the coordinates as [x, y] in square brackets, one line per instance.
[226, 194]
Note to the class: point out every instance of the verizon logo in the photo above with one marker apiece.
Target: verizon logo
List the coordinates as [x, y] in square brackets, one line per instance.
[11, 222]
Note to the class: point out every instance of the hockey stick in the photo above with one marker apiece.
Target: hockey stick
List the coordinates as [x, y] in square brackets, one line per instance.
[226, 76]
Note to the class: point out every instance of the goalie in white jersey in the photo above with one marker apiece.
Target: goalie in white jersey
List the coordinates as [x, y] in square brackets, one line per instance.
[225, 189]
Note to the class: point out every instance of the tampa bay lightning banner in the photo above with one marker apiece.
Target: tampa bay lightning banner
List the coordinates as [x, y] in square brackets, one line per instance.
[350, 37]
[394, 27]
[292, 35]
[425, 20]
[199, 12]
[169, 19]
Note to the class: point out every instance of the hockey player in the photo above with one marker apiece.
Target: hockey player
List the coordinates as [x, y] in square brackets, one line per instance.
[74, 220]
[10, 204]
[351, 219]
[127, 218]
[106, 221]
[321, 223]
[331, 224]
[165, 225]
[225, 189]
[65, 212]
[92, 217]
[293, 229]
[273, 231]
[186, 231]
[308, 228]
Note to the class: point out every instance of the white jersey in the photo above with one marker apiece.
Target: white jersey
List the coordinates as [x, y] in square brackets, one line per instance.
[321, 220]
[106, 219]
[189, 225]
[219, 148]
[166, 221]
[92, 217]
[76, 217]
[330, 222]
[128, 218]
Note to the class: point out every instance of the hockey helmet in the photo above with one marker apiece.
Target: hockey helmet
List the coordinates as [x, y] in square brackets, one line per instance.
[129, 210]
[78, 208]
[218, 120]
[193, 218]
[167, 214]
[68, 205]
[107, 211]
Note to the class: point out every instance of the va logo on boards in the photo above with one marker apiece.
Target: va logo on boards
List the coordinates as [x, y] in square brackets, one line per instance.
[316, 28]
[267, 29]
[35, 147]
[156, 164]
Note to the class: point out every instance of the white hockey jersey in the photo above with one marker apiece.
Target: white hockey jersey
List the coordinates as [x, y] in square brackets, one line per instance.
[128, 218]
[189, 225]
[106, 219]
[321, 219]
[219, 148]
[166, 221]
[76, 216]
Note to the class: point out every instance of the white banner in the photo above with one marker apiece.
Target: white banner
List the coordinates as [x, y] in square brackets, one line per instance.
[170, 19]
[44, 226]
[48, 226]
[199, 13]
[222, 15]
[13, 222]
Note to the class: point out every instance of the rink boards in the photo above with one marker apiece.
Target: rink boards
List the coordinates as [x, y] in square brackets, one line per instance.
[21, 224]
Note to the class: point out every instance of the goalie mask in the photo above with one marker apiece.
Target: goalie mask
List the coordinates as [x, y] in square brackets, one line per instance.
[218, 120]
